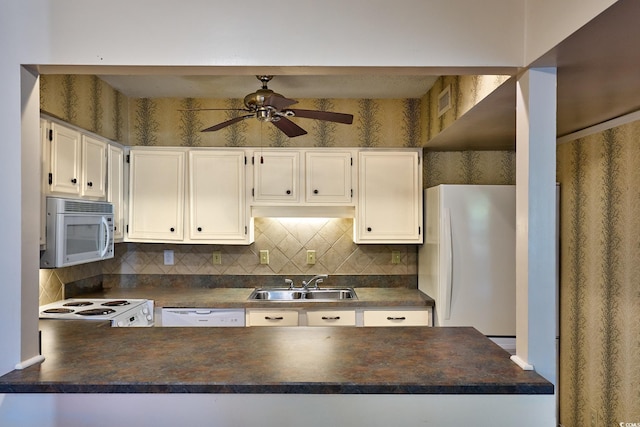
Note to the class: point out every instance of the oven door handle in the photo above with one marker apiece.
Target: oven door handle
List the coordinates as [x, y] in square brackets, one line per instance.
[107, 234]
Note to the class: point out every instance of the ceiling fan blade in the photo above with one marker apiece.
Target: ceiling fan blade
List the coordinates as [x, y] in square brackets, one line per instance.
[323, 115]
[213, 109]
[278, 101]
[289, 128]
[227, 123]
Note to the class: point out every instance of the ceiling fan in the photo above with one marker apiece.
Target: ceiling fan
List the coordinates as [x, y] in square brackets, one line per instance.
[268, 106]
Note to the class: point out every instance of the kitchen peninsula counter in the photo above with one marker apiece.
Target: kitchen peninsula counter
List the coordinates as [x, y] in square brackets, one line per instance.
[92, 357]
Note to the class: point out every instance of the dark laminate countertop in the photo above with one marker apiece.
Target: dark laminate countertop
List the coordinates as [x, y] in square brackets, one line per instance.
[238, 297]
[91, 357]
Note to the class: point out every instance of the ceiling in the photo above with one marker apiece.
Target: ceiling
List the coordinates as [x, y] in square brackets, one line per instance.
[292, 86]
[598, 80]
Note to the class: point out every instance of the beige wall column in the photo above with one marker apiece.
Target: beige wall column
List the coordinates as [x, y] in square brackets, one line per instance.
[536, 221]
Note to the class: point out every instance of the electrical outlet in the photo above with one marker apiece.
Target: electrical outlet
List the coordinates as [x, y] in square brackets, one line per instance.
[168, 257]
[311, 257]
[217, 258]
[395, 257]
[264, 256]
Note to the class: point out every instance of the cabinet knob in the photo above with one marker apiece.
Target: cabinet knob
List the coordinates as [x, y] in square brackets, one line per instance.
[90, 184]
[288, 191]
[199, 228]
[368, 228]
[172, 229]
[315, 191]
[74, 181]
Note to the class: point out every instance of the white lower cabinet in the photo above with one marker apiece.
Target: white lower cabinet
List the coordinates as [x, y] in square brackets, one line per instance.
[331, 318]
[406, 316]
[400, 317]
[268, 317]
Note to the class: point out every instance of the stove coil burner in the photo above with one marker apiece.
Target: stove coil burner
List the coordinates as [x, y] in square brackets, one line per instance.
[116, 303]
[96, 312]
[58, 311]
[77, 304]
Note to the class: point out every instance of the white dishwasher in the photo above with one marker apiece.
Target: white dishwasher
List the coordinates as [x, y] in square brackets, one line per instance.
[213, 317]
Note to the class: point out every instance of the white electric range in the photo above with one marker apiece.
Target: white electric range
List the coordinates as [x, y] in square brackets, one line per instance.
[120, 312]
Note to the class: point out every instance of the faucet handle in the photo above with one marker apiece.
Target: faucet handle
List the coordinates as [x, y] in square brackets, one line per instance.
[289, 282]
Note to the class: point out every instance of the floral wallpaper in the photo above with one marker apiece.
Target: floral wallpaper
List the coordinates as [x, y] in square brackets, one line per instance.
[599, 292]
[87, 102]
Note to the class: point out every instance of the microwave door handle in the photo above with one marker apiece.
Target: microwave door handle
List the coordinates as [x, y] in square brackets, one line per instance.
[107, 235]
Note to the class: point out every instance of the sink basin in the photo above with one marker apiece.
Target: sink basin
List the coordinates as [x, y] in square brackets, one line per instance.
[286, 294]
[276, 294]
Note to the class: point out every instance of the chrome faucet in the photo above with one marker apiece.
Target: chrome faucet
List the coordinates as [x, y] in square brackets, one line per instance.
[289, 282]
[317, 279]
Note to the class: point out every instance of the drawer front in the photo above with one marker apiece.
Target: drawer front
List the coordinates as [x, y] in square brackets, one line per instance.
[272, 318]
[397, 318]
[331, 318]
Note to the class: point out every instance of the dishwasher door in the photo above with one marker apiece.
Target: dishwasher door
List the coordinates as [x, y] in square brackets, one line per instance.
[217, 317]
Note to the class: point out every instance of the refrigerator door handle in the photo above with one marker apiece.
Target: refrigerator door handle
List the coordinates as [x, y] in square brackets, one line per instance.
[448, 263]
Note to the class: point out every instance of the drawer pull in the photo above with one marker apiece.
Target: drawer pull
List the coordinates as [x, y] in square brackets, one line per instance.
[330, 317]
[273, 317]
[396, 318]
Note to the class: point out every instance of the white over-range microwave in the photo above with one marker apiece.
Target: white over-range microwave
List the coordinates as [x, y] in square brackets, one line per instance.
[77, 232]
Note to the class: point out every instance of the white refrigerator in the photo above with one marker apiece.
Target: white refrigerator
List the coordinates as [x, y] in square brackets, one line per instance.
[467, 261]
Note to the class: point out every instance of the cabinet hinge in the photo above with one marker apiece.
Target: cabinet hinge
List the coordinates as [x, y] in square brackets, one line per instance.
[253, 192]
[419, 231]
[127, 228]
[50, 178]
[128, 158]
[253, 160]
[352, 193]
[352, 161]
[50, 134]
[245, 230]
[419, 158]
[245, 160]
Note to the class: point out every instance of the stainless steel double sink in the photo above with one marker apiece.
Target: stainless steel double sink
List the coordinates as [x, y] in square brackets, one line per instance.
[302, 294]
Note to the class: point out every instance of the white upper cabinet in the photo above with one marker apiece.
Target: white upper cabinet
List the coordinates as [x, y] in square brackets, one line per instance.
[65, 152]
[390, 197]
[77, 163]
[313, 177]
[156, 194]
[328, 177]
[93, 168]
[217, 205]
[276, 176]
[115, 188]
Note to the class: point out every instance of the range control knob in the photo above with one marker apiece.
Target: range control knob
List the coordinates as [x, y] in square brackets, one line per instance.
[120, 323]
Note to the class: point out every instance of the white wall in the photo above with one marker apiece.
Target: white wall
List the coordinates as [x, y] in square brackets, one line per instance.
[289, 33]
[550, 21]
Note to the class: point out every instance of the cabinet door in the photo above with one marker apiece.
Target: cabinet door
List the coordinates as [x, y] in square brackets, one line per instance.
[115, 188]
[65, 160]
[156, 195]
[276, 176]
[258, 317]
[390, 197]
[328, 176]
[217, 196]
[94, 168]
[397, 317]
[44, 171]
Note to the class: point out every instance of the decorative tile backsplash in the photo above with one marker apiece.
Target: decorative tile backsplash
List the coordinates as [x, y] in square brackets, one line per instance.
[286, 239]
